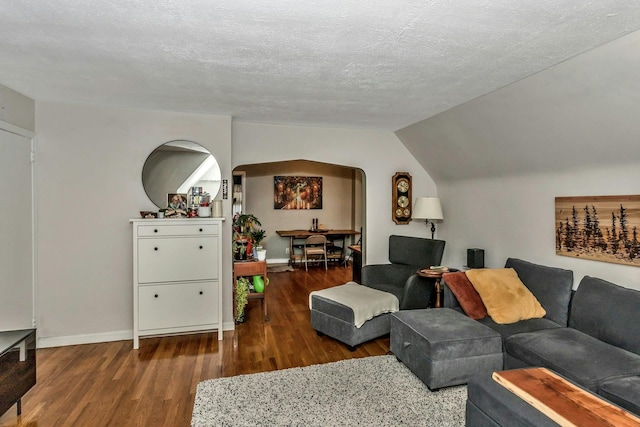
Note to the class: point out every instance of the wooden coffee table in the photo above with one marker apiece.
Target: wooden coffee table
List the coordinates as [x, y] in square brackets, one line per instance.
[562, 401]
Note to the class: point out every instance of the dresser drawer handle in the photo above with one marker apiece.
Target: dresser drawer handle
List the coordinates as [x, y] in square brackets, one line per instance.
[155, 230]
[201, 293]
[155, 248]
[201, 230]
[406, 344]
[155, 296]
[200, 246]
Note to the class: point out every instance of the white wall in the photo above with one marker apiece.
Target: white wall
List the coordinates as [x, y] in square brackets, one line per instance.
[379, 154]
[514, 217]
[17, 109]
[89, 185]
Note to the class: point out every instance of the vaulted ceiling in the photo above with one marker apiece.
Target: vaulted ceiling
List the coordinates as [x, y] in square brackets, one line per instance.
[581, 114]
[378, 64]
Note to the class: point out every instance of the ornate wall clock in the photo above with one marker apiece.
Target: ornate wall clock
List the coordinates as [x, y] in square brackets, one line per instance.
[401, 198]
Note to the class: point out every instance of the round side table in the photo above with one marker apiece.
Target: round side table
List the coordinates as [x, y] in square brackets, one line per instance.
[434, 274]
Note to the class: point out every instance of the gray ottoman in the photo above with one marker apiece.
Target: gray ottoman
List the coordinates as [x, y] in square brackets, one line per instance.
[444, 347]
[331, 317]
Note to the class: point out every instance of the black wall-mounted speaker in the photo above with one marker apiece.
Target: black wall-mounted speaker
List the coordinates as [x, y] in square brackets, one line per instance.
[475, 258]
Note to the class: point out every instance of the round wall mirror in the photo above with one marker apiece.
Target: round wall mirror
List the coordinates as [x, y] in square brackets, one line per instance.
[177, 166]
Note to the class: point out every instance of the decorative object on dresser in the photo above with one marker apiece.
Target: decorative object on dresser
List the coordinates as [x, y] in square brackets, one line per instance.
[401, 198]
[17, 367]
[176, 276]
[429, 209]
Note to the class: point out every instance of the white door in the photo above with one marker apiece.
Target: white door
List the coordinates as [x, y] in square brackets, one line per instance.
[16, 234]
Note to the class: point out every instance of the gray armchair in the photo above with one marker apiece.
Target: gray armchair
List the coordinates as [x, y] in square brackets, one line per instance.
[406, 255]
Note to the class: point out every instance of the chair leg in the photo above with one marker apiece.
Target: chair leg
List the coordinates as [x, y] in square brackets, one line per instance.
[325, 261]
[305, 262]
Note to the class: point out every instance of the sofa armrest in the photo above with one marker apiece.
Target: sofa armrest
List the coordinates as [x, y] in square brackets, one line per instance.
[418, 293]
[449, 300]
[393, 274]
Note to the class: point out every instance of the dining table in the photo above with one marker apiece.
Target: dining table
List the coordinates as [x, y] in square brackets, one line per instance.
[336, 242]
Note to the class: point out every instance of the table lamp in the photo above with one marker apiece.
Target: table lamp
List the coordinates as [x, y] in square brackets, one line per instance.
[429, 209]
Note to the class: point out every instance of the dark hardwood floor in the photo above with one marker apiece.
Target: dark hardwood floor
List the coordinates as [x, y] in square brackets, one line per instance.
[110, 384]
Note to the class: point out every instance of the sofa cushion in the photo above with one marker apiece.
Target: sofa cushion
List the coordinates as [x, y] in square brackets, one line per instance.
[529, 325]
[607, 312]
[466, 294]
[624, 392]
[573, 354]
[552, 286]
[506, 298]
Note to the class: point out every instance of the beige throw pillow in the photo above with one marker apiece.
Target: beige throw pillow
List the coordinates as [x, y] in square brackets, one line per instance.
[506, 298]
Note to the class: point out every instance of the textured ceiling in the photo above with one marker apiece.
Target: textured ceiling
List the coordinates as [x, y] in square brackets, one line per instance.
[345, 63]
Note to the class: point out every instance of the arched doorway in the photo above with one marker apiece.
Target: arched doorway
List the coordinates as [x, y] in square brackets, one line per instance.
[343, 200]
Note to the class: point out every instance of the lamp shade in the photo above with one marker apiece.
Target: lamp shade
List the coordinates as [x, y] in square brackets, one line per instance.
[427, 208]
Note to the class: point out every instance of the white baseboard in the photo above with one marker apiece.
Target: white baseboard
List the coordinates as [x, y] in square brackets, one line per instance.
[101, 337]
[46, 342]
[278, 261]
[228, 326]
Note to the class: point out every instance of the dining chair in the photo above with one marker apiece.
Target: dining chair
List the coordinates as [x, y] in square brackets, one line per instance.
[315, 246]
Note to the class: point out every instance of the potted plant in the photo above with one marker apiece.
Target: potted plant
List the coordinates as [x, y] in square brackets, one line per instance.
[242, 292]
[243, 223]
[240, 246]
[258, 236]
[242, 234]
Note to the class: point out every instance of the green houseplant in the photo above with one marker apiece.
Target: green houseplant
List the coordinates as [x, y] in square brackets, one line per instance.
[242, 293]
[243, 234]
[258, 236]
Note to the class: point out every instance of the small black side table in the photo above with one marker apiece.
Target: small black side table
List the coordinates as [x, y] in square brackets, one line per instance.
[17, 367]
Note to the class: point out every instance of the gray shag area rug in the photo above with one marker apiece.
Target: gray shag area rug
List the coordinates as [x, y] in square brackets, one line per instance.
[372, 391]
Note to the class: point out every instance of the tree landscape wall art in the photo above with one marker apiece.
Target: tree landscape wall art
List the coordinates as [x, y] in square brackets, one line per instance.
[600, 228]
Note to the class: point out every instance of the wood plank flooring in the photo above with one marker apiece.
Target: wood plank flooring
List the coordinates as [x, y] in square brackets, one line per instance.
[110, 384]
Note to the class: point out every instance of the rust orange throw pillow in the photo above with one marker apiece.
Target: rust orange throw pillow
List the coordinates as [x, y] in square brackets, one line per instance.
[506, 298]
[466, 294]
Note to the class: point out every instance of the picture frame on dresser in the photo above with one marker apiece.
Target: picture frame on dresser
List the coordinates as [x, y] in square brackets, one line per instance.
[177, 201]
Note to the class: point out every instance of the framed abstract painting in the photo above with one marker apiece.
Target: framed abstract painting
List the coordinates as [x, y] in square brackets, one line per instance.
[297, 192]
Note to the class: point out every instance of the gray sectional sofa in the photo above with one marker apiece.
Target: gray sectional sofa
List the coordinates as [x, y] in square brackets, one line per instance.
[590, 336]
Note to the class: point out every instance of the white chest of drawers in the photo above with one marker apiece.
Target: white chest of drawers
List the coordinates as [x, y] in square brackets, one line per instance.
[176, 276]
